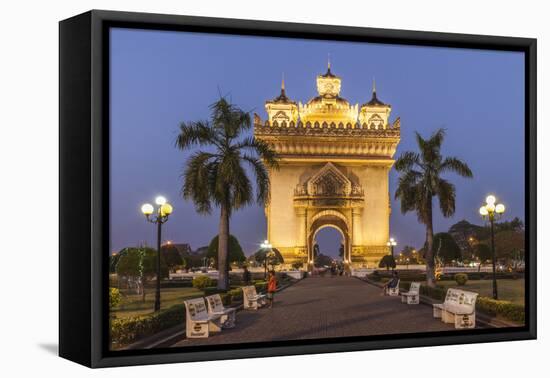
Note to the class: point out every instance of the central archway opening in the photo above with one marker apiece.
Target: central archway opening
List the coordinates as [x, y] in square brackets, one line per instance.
[328, 247]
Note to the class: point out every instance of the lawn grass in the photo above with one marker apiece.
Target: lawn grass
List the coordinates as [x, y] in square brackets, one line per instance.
[508, 290]
[133, 305]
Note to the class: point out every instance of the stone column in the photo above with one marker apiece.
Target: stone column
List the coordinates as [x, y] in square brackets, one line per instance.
[301, 232]
[357, 226]
[301, 215]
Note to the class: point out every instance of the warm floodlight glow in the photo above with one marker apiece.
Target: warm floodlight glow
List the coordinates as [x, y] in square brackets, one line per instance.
[483, 211]
[490, 207]
[166, 209]
[490, 200]
[160, 200]
[500, 208]
[147, 209]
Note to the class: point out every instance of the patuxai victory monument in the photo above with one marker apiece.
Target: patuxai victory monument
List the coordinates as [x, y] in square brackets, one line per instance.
[334, 168]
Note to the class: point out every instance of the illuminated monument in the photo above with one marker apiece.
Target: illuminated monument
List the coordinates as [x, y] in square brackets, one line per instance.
[335, 160]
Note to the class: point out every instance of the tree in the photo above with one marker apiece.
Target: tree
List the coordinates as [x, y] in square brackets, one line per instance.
[235, 253]
[171, 256]
[261, 255]
[140, 264]
[421, 180]
[316, 250]
[216, 177]
[341, 251]
[510, 245]
[388, 261]
[446, 248]
[483, 253]
[322, 260]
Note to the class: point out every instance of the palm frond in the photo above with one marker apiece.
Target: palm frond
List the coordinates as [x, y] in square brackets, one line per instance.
[446, 194]
[260, 148]
[262, 179]
[407, 161]
[196, 133]
[454, 164]
[197, 183]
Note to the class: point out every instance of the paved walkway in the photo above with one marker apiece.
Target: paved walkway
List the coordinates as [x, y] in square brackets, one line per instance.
[323, 307]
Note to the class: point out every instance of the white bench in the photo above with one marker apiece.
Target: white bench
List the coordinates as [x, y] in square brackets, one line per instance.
[251, 299]
[393, 291]
[459, 308]
[215, 307]
[198, 322]
[413, 295]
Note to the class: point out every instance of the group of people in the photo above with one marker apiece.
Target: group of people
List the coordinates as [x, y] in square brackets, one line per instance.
[337, 269]
[271, 284]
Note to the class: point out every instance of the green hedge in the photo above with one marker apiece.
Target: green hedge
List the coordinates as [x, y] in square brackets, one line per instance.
[437, 292]
[261, 286]
[461, 278]
[507, 310]
[176, 283]
[201, 282]
[211, 290]
[236, 294]
[127, 330]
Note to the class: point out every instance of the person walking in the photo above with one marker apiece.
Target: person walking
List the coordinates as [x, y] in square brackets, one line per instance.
[271, 288]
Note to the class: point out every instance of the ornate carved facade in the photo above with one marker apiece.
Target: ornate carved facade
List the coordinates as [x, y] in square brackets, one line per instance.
[335, 160]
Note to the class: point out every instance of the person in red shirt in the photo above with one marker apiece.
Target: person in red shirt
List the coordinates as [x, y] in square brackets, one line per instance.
[271, 287]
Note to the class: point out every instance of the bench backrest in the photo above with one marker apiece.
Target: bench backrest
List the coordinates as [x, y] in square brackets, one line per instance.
[249, 291]
[215, 303]
[196, 309]
[461, 298]
[414, 288]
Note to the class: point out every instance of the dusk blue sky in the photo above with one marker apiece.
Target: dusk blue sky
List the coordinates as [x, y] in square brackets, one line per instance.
[159, 79]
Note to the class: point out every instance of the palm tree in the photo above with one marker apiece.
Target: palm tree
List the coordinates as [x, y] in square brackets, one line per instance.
[420, 181]
[216, 176]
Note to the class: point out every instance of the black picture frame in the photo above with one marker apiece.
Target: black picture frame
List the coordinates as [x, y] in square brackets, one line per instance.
[84, 172]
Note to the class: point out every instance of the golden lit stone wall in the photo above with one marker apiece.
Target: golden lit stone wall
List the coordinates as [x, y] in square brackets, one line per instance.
[333, 172]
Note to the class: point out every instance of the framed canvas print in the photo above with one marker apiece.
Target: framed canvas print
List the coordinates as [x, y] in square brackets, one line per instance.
[234, 188]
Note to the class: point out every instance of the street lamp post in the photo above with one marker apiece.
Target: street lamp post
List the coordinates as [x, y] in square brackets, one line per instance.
[491, 211]
[162, 212]
[267, 247]
[391, 243]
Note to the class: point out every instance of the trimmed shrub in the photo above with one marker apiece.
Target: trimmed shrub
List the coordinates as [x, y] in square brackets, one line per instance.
[388, 261]
[437, 292]
[261, 286]
[201, 282]
[236, 294]
[114, 297]
[505, 309]
[226, 299]
[461, 279]
[127, 330]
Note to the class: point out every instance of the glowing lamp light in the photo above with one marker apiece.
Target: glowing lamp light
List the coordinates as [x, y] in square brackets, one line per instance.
[166, 209]
[500, 208]
[490, 207]
[483, 211]
[160, 200]
[490, 200]
[147, 209]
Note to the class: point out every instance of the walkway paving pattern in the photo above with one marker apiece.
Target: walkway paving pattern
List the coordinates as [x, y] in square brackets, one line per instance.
[323, 307]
